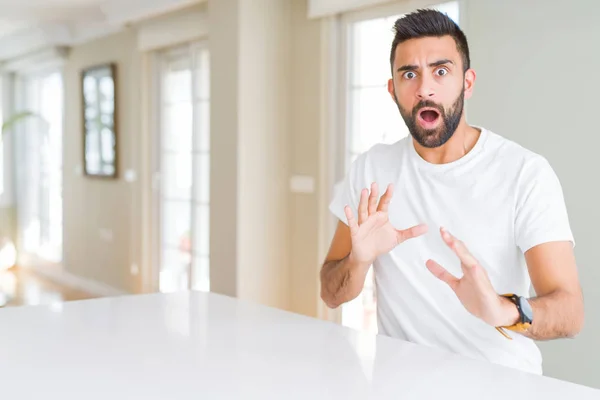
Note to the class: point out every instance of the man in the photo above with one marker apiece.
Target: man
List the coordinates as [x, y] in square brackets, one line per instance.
[467, 219]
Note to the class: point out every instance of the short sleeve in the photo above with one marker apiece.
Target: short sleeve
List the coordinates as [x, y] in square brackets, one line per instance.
[541, 213]
[347, 192]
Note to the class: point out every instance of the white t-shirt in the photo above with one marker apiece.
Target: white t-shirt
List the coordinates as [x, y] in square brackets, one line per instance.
[500, 199]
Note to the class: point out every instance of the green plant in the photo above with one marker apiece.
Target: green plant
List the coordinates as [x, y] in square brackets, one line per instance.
[7, 125]
[18, 117]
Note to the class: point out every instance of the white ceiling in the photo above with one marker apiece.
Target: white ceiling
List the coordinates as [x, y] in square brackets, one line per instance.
[31, 25]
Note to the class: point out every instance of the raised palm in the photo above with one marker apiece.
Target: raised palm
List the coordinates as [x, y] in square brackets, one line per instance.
[373, 234]
[474, 289]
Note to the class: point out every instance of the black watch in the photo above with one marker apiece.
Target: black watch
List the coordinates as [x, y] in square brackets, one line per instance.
[523, 306]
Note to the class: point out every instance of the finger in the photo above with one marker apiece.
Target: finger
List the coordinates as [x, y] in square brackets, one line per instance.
[373, 198]
[439, 272]
[410, 233]
[351, 220]
[384, 202]
[362, 207]
[458, 247]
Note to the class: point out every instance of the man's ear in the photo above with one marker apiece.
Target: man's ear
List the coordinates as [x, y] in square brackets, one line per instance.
[470, 76]
[391, 90]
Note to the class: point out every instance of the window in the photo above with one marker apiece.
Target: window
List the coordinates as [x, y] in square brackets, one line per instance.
[183, 168]
[39, 162]
[370, 115]
[2, 160]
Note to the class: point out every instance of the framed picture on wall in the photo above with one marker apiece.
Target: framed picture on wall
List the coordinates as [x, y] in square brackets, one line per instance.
[99, 88]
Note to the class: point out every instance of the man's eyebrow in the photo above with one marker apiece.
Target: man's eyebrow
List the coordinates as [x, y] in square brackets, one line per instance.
[441, 62]
[407, 68]
[410, 67]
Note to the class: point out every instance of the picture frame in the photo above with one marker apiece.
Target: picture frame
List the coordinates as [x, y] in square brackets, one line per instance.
[99, 115]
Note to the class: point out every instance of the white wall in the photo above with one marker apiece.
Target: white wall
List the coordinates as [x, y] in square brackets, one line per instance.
[537, 85]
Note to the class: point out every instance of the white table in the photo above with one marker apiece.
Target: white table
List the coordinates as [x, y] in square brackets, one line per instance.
[206, 346]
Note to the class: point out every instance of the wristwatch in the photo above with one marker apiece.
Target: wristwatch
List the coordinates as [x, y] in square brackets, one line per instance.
[525, 315]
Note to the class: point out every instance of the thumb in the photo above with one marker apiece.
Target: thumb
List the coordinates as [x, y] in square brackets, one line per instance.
[439, 272]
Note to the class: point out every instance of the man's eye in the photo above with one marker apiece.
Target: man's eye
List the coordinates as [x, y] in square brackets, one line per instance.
[441, 71]
[409, 75]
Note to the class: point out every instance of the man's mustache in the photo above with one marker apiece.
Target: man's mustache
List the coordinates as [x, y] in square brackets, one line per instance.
[427, 103]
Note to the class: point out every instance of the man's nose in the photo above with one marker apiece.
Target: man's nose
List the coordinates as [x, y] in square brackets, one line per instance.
[425, 90]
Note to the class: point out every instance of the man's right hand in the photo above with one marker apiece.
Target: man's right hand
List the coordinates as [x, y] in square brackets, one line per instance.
[356, 246]
[373, 234]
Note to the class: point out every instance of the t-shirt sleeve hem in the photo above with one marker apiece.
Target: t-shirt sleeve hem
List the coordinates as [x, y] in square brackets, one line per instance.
[338, 211]
[546, 239]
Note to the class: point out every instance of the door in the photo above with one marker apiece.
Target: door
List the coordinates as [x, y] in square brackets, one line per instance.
[183, 169]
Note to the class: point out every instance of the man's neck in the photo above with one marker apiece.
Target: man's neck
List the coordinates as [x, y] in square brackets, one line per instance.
[463, 140]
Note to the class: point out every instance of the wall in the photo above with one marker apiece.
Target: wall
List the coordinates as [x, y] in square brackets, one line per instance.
[250, 59]
[94, 208]
[224, 121]
[250, 144]
[536, 86]
[263, 163]
[305, 132]
[7, 222]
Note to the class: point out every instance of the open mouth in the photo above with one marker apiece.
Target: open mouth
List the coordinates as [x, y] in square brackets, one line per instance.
[429, 115]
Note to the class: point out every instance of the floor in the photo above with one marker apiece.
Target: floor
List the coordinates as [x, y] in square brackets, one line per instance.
[20, 287]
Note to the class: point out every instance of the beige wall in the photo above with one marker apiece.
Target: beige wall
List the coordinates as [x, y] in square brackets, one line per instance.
[305, 139]
[263, 163]
[224, 121]
[7, 222]
[265, 121]
[263, 111]
[250, 144]
[92, 205]
[124, 209]
[250, 60]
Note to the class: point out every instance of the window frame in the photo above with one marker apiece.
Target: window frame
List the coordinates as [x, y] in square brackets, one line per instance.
[7, 102]
[158, 57]
[19, 97]
[5, 167]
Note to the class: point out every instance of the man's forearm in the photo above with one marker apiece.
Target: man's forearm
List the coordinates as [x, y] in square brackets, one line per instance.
[556, 315]
[341, 281]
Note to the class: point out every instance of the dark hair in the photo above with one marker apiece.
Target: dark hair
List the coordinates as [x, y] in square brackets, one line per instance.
[429, 23]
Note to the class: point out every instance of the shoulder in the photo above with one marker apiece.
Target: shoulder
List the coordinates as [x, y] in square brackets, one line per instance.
[379, 163]
[511, 153]
[530, 168]
[382, 156]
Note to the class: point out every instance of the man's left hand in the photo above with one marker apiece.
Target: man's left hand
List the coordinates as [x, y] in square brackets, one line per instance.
[474, 289]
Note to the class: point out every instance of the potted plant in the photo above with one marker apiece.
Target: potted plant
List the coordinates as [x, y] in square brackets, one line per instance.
[7, 247]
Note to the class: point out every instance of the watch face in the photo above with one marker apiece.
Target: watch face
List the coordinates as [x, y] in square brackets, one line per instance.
[527, 311]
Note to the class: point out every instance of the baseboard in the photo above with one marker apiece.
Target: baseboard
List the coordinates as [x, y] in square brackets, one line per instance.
[58, 275]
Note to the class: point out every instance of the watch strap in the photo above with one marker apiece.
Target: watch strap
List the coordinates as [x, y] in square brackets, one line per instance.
[521, 325]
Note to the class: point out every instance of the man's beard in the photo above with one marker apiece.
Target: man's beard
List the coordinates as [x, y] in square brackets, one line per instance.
[433, 137]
